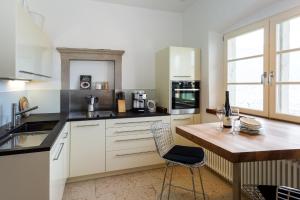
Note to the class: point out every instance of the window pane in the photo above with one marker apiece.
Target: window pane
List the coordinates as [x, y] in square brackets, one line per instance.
[288, 99]
[246, 96]
[245, 71]
[288, 67]
[249, 44]
[288, 34]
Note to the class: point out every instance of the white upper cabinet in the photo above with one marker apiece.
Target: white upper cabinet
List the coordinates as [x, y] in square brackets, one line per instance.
[28, 50]
[184, 63]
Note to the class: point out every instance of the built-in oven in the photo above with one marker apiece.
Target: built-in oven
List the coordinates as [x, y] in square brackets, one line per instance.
[185, 97]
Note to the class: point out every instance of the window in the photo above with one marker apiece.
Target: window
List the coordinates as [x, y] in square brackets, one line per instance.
[263, 67]
[285, 66]
[245, 60]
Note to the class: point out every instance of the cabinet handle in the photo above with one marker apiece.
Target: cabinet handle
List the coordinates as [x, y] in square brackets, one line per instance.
[31, 73]
[87, 125]
[59, 152]
[122, 123]
[182, 76]
[182, 119]
[129, 154]
[132, 131]
[135, 139]
[186, 89]
[66, 135]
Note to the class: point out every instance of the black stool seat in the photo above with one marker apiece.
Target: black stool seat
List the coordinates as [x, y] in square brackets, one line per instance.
[185, 155]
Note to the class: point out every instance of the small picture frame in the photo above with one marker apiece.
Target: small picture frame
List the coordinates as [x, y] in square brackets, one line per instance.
[85, 82]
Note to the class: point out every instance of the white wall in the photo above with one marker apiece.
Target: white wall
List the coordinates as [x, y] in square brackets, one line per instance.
[99, 70]
[91, 24]
[205, 22]
[10, 92]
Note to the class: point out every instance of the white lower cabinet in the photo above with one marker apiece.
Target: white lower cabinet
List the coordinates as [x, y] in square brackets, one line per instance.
[181, 120]
[59, 164]
[130, 143]
[87, 154]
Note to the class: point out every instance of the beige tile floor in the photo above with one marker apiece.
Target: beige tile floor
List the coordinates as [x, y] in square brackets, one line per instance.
[146, 185]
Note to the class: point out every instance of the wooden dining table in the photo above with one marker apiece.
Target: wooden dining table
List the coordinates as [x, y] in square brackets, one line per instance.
[277, 141]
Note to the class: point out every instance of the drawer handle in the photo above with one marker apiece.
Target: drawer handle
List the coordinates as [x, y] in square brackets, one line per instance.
[122, 123]
[59, 152]
[66, 135]
[132, 131]
[186, 89]
[87, 125]
[182, 76]
[182, 119]
[135, 139]
[130, 154]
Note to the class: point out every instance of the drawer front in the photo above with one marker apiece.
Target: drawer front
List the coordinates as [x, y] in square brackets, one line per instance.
[126, 159]
[129, 142]
[132, 122]
[134, 130]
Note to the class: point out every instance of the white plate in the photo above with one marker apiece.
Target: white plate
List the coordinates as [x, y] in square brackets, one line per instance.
[250, 122]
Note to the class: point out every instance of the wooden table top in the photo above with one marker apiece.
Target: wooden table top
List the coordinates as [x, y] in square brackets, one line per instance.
[278, 141]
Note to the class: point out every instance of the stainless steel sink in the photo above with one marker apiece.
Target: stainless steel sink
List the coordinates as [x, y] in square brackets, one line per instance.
[23, 140]
[36, 126]
[30, 134]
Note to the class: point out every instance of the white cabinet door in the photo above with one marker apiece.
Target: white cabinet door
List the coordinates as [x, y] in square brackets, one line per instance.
[66, 138]
[180, 120]
[26, 45]
[33, 48]
[184, 63]
[57, 159]
[87, 155]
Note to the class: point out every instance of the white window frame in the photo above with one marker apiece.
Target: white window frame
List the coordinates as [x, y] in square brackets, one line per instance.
[269, 25]
[255, 26]
[273, 22]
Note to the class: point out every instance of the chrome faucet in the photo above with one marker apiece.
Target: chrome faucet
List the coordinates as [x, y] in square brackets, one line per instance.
[14, 113]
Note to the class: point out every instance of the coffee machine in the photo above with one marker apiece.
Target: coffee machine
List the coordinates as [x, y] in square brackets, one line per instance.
[139, 101]
[91, 100]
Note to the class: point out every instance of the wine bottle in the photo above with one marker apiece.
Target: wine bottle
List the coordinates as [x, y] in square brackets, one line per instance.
[227, 123]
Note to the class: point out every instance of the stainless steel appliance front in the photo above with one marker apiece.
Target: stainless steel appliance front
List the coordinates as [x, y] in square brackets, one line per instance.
[185, 97]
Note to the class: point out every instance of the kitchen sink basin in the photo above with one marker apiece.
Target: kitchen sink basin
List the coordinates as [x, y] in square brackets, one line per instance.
[30, 134]
[23, 140]
[36, 126]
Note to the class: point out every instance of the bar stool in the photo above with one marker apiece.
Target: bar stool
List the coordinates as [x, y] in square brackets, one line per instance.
[190, 157]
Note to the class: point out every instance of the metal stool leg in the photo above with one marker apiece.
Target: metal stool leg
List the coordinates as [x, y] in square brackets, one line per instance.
[163, 185]
[192, 172]
[201, 183]
[170, 181]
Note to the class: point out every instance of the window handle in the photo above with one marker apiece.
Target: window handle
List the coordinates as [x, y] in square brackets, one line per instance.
[263, 78]
[271, 77]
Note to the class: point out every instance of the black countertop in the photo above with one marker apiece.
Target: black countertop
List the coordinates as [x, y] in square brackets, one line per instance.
[62, 119]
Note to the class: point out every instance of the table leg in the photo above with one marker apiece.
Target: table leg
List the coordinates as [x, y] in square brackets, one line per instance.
[236, 185]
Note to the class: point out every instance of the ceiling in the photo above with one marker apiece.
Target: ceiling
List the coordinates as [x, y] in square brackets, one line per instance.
[167, 5]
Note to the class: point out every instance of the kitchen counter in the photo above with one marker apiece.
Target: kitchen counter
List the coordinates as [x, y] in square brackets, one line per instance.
[62, 119]
[49, 140]
[81, 116]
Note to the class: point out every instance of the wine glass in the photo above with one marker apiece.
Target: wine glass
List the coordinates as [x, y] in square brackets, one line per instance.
[235, 115]
[220, 112]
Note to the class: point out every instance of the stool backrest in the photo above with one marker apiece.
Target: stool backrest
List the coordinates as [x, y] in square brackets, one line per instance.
[163, 137]
[287, 193]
